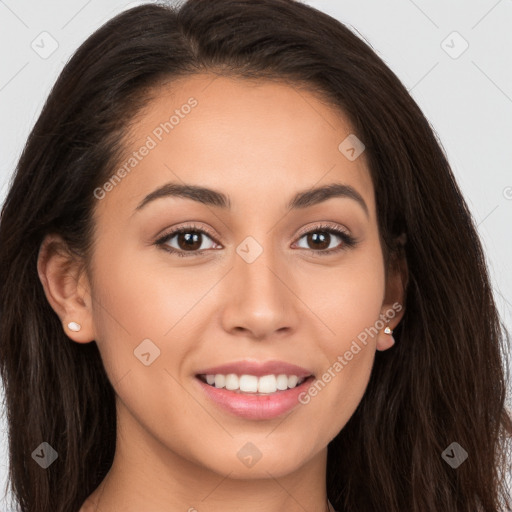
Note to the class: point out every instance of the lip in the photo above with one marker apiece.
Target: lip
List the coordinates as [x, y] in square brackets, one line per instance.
[257, 368]
[252, 406]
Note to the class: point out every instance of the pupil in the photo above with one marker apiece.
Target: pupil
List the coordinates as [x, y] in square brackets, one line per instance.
[321, 237]
[191, 240]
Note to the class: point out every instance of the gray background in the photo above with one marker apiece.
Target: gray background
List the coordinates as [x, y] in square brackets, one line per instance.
[466, 93]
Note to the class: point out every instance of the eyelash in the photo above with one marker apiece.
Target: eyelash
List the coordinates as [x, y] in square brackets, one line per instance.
[348, 241]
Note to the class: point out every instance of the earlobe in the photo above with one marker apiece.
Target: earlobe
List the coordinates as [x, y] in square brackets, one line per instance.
[385, 339]
[66, 288]
[392, 317]
[393, 308]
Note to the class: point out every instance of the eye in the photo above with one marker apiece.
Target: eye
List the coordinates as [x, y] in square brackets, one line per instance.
[188, 238]
[321, 236]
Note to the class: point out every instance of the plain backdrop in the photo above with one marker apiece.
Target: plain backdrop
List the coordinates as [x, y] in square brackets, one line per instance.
[455, 58]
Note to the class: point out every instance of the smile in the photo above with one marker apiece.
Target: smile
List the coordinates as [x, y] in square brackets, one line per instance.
[266, 384]
[254, 405]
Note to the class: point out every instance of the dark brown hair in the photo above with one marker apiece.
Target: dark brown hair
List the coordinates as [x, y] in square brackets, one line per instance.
[443, 381]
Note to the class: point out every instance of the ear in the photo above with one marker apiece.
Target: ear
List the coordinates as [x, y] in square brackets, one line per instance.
[393, 307]
[66, 286]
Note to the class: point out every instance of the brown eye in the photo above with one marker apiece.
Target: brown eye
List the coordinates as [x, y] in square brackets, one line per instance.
[187, 239]
[318, 240]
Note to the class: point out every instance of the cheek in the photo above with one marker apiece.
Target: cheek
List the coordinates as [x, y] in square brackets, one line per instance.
[349, 301]
[141, 315]
[146, 304]
[135, 301]
[141, 294]
[347, 298]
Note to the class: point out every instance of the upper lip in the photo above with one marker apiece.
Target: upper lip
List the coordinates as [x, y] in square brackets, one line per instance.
[257, 368]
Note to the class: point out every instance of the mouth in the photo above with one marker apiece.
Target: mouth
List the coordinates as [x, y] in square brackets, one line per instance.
[254, 398]
[252, 384]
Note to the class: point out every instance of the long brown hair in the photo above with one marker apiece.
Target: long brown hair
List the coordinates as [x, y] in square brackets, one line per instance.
[443, 381]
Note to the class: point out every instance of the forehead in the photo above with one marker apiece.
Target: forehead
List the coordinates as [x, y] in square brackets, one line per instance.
[256, 140]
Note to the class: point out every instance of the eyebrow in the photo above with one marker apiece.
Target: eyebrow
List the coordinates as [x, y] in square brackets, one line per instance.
[207, 196]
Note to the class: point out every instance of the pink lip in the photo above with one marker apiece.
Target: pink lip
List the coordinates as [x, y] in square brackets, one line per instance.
[257, 368]
[252, 406]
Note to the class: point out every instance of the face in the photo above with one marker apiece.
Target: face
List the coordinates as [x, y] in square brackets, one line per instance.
[260, 273]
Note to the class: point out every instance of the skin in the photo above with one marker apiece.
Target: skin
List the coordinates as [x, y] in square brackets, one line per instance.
[259, 142]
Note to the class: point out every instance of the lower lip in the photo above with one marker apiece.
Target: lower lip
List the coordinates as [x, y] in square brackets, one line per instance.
[256, 407]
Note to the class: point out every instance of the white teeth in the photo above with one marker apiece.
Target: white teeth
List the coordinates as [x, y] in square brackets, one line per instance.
[231, 381]
[220, 381]
[282, 382]
[292, 381]
[253, 384]
[266, 384]
[248, 383]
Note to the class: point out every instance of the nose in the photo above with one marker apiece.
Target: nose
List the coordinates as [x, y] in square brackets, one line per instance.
[260, 302]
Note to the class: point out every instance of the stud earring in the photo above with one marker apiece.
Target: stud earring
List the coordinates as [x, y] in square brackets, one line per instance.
[387, 330]
[73, 326]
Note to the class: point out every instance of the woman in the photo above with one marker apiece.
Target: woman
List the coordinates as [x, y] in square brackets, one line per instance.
[237, 274]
